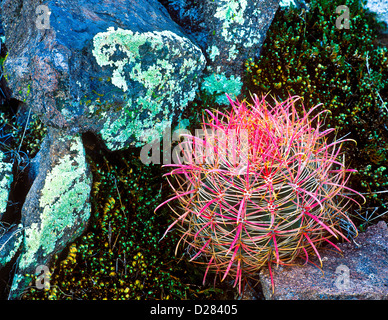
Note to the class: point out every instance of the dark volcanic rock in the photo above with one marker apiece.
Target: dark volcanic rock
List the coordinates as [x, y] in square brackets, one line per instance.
[121, 69]
[57, 207]
[360, 272]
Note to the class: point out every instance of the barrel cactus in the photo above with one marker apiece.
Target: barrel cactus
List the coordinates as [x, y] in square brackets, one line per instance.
[263, 184]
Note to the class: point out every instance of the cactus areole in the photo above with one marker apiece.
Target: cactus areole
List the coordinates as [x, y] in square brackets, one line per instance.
[265, 184]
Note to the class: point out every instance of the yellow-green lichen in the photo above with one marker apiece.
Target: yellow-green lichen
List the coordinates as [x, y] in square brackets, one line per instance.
[219, 84]
[174, 62]
[231, 11]
[238, 25]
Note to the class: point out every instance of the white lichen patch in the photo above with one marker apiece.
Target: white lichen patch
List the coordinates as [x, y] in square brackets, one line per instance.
[6, 179]
[233, 53]
[213, 52]
[239, 24]
[174, 61]
[240, 31]
[63, 202]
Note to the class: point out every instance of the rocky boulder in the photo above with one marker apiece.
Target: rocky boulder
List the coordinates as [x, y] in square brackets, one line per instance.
[360, 272]
[122, 70]
[229, 32]
[57, 207]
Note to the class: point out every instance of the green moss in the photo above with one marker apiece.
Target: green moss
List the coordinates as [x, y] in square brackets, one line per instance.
[23, 139]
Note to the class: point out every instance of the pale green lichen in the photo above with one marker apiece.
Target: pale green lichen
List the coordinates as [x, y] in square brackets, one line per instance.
[233, 52]
[219, 84]
[64, 203]
[238, 27]
[213, 52]
[6, 179]
[231, 11]
[163, 86]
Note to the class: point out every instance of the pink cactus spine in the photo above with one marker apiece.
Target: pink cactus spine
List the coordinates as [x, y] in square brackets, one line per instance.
[264, 185]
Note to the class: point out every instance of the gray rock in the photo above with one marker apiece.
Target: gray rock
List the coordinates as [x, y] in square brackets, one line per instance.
[57, 207]
[293, 3]
[122, 69]
[360, 272]
[229, 32]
